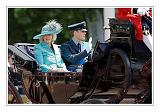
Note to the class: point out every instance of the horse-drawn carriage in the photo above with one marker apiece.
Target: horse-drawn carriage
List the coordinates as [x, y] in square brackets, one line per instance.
[117, 63]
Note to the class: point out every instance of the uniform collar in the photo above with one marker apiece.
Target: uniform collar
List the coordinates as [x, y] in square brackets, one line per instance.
[75, 41]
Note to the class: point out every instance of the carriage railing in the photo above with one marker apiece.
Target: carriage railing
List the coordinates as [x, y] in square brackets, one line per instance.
[52, 76]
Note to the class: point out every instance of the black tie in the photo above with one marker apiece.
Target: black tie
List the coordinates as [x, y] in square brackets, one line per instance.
[79, 47]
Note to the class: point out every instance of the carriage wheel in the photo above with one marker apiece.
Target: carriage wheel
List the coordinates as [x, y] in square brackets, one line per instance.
[118, 73]
[13, 95]
[118, 68]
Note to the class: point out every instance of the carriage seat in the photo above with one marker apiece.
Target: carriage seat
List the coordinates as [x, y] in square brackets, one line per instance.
[120, 28]
[26, 48]
[122, 31]
[23, 59]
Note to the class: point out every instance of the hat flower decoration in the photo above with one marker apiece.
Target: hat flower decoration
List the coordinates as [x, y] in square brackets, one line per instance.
[51, 27]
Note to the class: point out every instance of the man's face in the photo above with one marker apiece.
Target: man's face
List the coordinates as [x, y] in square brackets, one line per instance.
[80, 35]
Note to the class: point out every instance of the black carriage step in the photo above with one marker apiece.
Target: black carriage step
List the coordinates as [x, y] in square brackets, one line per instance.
[124, 101]
[132, 93]
[105, 94]
[128, 101]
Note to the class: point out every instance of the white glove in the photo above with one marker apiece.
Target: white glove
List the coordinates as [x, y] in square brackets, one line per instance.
[89, 47]
[142, 11]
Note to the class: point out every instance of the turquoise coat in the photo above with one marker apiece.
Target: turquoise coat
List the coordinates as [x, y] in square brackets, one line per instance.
[48, 59]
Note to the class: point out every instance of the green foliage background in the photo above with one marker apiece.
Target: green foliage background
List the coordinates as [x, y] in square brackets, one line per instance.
[24, 23]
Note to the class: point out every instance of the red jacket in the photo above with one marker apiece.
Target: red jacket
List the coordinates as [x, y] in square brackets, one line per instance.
[125, 13]
[150, 12]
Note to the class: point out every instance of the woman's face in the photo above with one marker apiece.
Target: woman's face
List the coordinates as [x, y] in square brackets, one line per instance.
[48, 38]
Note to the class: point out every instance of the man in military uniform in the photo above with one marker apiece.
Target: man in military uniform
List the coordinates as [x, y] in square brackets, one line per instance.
[76, 51]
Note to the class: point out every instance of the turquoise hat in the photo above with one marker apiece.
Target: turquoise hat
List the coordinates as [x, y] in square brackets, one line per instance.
[51, 27]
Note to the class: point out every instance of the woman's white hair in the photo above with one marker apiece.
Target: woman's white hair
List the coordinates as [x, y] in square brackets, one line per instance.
[54, 37]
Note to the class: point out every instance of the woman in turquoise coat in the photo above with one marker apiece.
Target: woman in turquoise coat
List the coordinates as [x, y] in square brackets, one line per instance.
[47, 53]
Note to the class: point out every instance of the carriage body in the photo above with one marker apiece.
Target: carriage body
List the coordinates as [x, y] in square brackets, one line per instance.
[114, 64]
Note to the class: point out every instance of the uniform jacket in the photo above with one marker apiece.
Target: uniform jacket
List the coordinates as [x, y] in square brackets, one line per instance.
[71, 55]
[47, 58]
